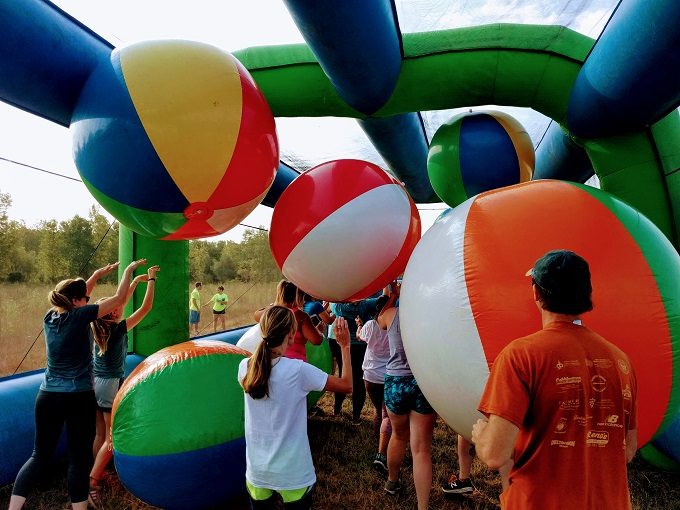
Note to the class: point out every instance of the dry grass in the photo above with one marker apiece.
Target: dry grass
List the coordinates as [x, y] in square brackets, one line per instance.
[22, 307]
[346, 481]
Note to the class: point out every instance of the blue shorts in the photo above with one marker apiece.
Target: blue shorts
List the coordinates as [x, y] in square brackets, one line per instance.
[105, 389]
[402, 395]
[194, 316]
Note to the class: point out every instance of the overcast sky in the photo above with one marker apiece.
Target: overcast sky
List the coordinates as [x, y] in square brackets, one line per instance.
[33, 141]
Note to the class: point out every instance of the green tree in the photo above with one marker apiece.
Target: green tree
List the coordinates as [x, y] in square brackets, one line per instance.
[77, 240]
[51, 260]
[105, 241]
[7, 235]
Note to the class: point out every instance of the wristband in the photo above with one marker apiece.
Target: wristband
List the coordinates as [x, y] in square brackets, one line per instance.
[151, 280]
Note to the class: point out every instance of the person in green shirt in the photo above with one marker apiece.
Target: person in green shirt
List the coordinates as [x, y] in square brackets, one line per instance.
[195, 309]
[219, 302]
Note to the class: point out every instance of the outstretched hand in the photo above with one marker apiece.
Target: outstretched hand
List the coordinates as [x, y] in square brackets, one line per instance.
[151, 272]
[108, 268]
[341, 332]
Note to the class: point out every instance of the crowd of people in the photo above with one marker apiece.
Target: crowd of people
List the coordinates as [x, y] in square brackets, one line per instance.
[539, 419]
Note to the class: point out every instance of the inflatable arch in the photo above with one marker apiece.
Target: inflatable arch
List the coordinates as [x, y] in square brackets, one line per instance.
[383, 78]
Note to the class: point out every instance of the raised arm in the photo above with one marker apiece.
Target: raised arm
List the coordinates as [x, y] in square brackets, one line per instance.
[99, 273]
[118, 299]
[341, 384]
[133, 285]
[147, 303]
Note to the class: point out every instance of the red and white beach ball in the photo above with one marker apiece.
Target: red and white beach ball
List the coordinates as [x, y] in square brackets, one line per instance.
[343, 230]
[465, 295]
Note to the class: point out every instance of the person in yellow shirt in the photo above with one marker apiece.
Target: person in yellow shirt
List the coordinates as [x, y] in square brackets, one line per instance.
[195, 309]
[219, 308]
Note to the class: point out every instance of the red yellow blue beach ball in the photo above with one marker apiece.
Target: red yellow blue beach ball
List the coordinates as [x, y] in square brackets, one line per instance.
[174, 139]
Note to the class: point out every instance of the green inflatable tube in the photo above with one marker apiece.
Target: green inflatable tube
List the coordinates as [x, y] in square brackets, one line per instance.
[168, 321]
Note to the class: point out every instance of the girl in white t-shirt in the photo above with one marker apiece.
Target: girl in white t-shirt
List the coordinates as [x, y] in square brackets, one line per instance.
[278, 457]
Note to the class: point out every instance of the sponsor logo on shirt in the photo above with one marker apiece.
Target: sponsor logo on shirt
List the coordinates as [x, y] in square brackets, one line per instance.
[570, 404]
[627, 393]
[562, 444]
[623, 365]
[611, 421]
[591, 402]
[597, 438]
[603, 363]
[582, 420]
[561, 426]
[598, 383]
[568, 380]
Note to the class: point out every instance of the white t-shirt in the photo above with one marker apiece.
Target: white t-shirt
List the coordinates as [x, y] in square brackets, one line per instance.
[377, 352]
[278, 456]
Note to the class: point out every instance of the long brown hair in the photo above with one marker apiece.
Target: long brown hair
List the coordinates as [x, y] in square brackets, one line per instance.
[65, 291]
[101, 330]
[276, 323]
[287, 294]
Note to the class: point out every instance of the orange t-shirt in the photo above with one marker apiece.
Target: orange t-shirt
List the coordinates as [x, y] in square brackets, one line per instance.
[572, 395]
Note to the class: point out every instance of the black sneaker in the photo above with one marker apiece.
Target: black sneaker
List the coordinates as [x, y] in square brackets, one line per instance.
[380, 464]
[392, 487]
[457, 486]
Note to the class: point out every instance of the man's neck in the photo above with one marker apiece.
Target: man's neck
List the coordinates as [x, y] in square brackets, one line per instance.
[548, 317]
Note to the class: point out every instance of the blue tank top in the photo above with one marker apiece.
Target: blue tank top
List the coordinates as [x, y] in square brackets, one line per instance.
[111, 364]
[397, 364]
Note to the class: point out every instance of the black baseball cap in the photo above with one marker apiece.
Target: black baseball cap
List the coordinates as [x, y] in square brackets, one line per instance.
[562, 273]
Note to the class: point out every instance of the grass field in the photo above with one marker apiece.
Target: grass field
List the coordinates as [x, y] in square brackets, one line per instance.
[346, 481]
[23, 306]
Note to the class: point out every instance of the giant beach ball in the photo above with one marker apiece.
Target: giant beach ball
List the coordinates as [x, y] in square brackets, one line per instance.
[465, 295]
[343, 230]
[178, 426]
[174, 139]
[478, 151]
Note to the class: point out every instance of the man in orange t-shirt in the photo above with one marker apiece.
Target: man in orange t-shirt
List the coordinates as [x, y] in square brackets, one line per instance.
[560, 403]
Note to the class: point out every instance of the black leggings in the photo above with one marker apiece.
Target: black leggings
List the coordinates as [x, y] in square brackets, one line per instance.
[357, 352]
[52, 410]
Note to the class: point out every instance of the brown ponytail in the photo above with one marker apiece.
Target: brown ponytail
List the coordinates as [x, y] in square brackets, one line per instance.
[276, 323]
[65, 291]
[101, 330]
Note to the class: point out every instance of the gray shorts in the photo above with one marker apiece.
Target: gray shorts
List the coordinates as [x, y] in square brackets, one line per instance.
[105, 389]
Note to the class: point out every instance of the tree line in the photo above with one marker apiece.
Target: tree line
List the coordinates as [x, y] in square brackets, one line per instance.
[54, 250]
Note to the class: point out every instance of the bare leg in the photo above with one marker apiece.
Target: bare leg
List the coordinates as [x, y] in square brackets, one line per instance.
[104, 454]
[464, 458]
[397, 446]
[422, 426]
[16, 502]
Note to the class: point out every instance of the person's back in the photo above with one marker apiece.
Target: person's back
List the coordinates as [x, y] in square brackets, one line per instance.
[575, 428]
[560, 403]
[277, 431]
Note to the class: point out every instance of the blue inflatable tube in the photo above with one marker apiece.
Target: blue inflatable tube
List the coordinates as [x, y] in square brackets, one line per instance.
[46, 58]
[558, 157]
[357, 44]
[284, 176]
[632, 76]
[401, 141]
[17, 428]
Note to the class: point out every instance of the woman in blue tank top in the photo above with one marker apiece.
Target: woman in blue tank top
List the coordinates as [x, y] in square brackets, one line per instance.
[110, 352]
